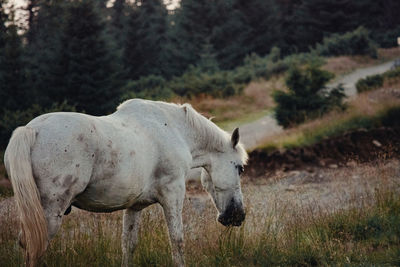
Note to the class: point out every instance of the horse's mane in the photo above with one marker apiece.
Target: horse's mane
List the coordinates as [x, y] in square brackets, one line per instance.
[206, 131]
[210, 134]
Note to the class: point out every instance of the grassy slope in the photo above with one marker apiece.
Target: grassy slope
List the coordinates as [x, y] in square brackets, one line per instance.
[364, 111]
[257, 100]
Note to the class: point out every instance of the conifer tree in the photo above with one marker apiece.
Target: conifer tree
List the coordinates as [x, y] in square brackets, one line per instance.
[43, 49]
[88, 72]
[144, 51]
[13, 89]
[316, 19]
[260, 18]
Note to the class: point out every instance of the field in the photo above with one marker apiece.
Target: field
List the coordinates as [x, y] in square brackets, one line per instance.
[256, 100]
[345, 216]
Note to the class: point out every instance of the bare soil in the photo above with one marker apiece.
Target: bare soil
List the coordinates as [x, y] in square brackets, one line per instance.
[349, 149]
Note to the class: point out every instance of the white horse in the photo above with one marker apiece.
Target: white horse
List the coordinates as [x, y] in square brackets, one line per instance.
[128, 160]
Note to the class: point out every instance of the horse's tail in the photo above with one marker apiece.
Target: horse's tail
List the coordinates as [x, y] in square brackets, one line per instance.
[33, 222]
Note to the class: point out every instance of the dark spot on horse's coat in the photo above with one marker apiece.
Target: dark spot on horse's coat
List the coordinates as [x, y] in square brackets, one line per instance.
[66, 193]
[123, 124]
[92, 155]
[68, 180]
[132, 153]
[109, 144]
[58, 200]
[130, 228]
[55, 179]
[165, 124]
[80, 138]
[65, 150]
[44, 199]
[91, 131]
[77, 165]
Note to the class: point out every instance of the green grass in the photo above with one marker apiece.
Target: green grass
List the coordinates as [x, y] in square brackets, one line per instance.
[230, 125]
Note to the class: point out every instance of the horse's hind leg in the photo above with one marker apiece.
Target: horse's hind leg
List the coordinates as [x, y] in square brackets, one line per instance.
[56, 197]
[131, 221]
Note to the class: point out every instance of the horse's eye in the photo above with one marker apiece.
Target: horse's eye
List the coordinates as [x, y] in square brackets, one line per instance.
[240, 169]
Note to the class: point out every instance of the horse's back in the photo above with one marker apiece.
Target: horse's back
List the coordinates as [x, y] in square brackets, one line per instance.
[107, 159]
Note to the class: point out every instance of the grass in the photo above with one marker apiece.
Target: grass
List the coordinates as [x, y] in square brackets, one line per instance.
[228, 113]
[345, 64]
[230, 125]
[256, 100]
[281, 230]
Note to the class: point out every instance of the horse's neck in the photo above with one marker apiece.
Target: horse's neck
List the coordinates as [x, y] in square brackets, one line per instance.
[198, 145]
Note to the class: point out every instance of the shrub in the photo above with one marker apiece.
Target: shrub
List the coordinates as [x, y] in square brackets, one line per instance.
[149, 87]
[307, 97]
[386, 38]
[195, 82]
[356, 42]
[369, 83]
[376, 81]
[392, 74]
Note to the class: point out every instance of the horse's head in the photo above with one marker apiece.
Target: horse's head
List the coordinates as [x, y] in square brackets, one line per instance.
[221, 179]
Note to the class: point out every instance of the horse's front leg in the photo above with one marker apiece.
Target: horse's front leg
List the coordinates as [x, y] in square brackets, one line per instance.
[130, 231]
[172, 203]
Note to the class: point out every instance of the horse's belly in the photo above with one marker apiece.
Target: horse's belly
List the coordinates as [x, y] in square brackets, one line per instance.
[105, 197]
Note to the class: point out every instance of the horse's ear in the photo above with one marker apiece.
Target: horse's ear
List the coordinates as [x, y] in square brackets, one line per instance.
[235, 137]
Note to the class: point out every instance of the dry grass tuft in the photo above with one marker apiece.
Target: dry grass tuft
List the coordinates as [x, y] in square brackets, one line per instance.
[345, 64]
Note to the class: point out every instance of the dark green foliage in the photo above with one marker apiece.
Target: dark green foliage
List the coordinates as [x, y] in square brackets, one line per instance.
[195, 82]
[14, 92]
[316, 19]
[149, 87]
[262, 23]
[194, 23]
[392, 74]
[376, 81]
[307, 97]
[146, 38]
[42, 52]
[352, 43]
[386, 38]
[369, 83]
[87, 71]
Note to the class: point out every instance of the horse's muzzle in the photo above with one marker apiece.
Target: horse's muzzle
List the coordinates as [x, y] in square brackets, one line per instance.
[233, 215]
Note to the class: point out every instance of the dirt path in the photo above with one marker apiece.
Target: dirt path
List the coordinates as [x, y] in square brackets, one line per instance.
[349, 81]
[253, 133]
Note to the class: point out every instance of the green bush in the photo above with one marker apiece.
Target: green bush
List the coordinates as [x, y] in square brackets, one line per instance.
[376, 81]
[392, 74]
[386, 38]
[356, 42]
[307, 97]
[369, 83]
[195, 82]
[12, 119]
[212, 81]
[149, 87]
